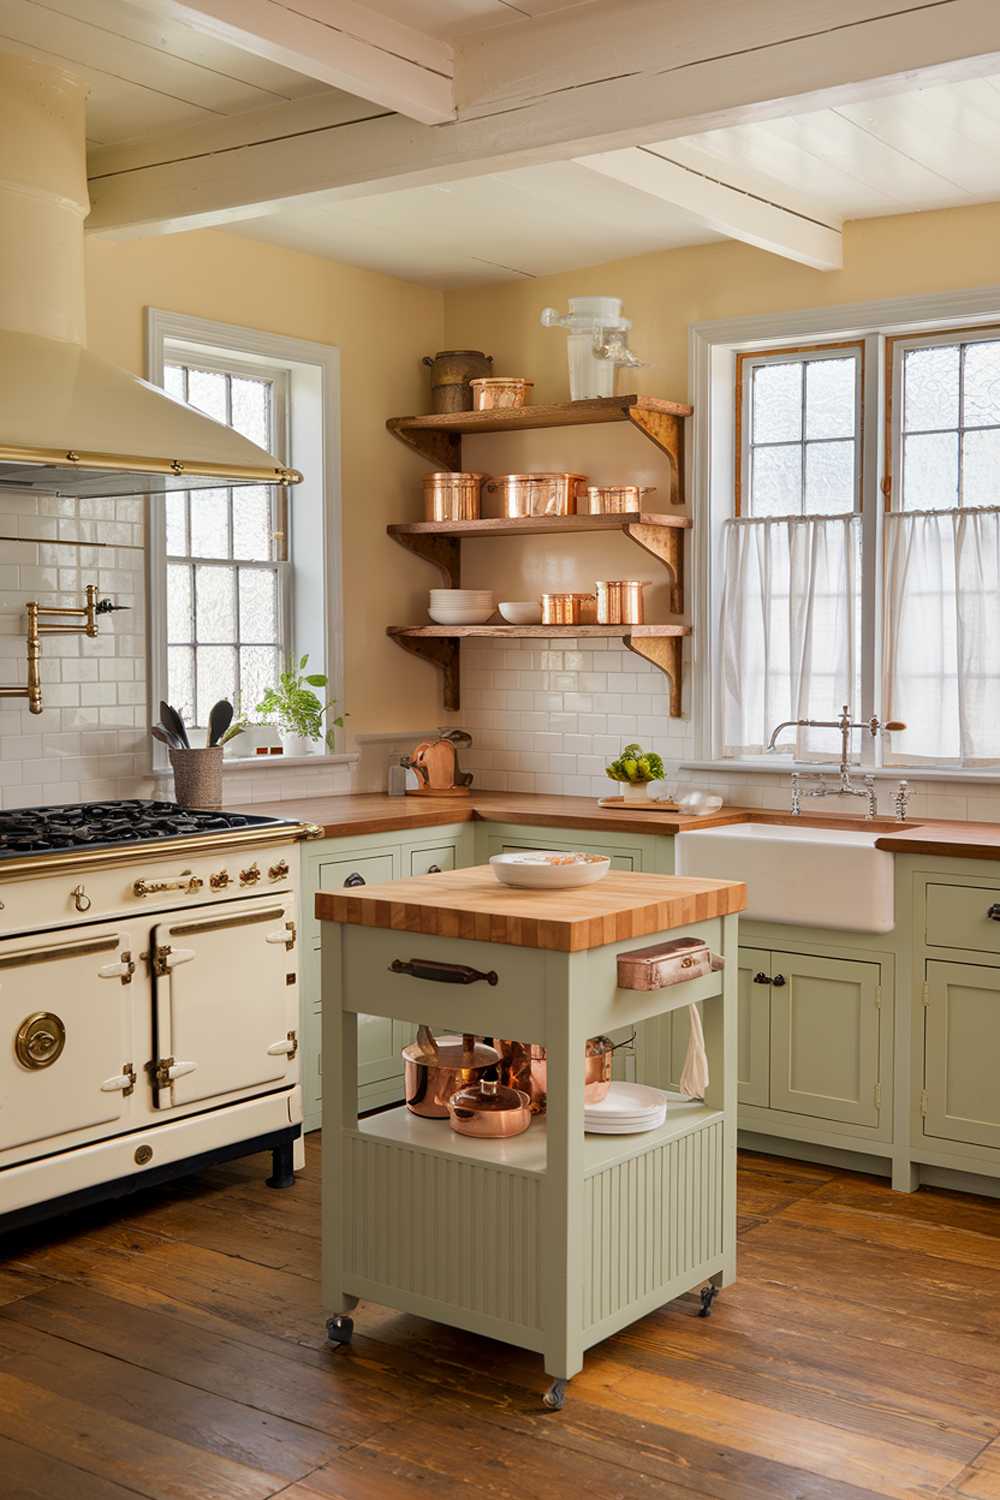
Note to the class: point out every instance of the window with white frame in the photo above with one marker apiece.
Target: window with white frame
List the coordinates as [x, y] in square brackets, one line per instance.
[881, 591]
[228, 574]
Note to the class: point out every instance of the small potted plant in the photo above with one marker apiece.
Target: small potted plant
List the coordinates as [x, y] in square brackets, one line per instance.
[634, 769]
[298, 711]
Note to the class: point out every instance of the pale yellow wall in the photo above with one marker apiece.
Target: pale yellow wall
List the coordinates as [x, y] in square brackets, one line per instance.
[382, 327]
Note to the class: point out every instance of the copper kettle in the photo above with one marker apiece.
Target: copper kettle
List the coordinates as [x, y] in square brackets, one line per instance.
[435, 764]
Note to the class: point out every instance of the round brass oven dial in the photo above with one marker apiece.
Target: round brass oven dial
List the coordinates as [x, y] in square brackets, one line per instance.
[40, 1040]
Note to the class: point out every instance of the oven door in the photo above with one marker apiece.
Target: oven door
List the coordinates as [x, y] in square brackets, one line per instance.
[225, 1002]
[65, 1014]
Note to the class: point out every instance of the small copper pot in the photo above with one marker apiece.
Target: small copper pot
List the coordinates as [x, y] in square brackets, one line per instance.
[489, 1110]
[500, 392]
[452, 497]
[620, 601]
[565, 609]
[538, 494]
[613, 499]
[524, 1066]
[436, 1067]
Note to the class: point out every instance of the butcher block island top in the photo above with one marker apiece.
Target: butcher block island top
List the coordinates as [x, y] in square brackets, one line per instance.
[473, 904]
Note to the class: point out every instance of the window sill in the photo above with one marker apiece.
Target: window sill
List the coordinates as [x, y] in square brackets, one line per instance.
[808, 768]
[236, 763]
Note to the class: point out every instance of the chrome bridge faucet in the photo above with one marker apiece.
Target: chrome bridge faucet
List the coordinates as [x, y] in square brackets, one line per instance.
[843, 786]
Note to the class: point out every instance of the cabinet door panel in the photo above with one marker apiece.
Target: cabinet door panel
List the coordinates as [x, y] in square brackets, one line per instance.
[825, 1037]
[754, 1028]
[962, 1048]
[432, 861]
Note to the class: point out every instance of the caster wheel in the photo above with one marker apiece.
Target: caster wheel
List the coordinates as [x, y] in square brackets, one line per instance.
[708, 1296]
[555, 1397]
[340, 1330]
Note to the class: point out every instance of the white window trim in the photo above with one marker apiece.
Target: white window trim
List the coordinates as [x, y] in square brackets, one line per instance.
[313, 445]
[712, 350]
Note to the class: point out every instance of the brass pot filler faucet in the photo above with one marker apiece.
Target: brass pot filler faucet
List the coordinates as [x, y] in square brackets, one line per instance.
[86, 622]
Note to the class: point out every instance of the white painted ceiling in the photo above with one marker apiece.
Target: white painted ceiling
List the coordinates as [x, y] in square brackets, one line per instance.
[930, 148]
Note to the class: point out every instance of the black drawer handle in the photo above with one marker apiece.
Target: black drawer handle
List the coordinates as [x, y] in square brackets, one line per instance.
[434, 869]
[778, 981]
[993, 912]
[425, 968]
[355, 879]
[762, 978]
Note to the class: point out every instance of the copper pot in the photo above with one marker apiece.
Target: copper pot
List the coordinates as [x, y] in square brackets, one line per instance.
[564, 609]
[616, 499]
[537, 494]
[489, 1110]
[620, 601]
[452, 371]
[437, 1067]
[452, 497]
[524, 1065]
[500, 393]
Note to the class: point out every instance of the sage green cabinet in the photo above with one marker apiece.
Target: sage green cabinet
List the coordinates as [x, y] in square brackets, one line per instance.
[825, 1044]
[753, 1068]
[961, 1098]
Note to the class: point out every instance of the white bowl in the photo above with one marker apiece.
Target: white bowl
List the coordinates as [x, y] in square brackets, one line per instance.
[460, 596]
[521, 611]
[530, 870]
[471, 614]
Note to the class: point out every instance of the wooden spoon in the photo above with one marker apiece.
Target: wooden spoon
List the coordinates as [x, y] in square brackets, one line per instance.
[219, 720]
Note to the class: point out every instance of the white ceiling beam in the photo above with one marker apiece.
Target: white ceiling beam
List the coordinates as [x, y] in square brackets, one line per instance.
[201, 176]
[742, 205]
[338, 42]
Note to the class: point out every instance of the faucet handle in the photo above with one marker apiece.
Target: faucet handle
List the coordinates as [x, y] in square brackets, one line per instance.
[894, 726]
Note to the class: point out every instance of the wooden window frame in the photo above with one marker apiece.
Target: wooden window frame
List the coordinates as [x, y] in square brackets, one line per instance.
[893, 432]
[741, 397]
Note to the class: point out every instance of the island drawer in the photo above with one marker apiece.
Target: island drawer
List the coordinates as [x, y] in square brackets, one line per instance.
[963, 916]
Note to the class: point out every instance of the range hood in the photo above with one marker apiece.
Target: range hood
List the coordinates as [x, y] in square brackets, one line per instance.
[71, 423]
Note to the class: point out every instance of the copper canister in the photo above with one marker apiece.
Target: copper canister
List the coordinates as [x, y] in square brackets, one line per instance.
[500, 393]
[613, 499]
[452, 497]
[537, 494]
[489, 1111]
[524, 1065]
[620, 601]
[437, 1067]
[564, 609]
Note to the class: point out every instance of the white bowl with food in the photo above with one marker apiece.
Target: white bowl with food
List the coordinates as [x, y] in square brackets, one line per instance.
[521, 611]
[549, 869]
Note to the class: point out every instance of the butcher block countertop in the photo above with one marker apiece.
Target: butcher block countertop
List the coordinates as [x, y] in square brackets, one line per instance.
[374, 812]
[473, 904]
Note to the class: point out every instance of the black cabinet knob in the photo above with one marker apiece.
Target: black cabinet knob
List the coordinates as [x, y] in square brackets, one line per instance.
[355, 879]
[761, 978]
[993, 912]
[778, 981]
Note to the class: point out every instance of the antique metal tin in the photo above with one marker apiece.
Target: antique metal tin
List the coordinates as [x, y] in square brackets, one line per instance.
[665, 964]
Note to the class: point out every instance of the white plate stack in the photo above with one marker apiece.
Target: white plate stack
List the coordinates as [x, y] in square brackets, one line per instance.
[626, 1109]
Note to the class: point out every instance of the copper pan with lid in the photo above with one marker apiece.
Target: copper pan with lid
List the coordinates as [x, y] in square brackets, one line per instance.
[437, 1067]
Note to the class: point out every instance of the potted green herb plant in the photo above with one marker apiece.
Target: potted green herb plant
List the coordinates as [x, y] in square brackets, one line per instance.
[299, 713]
[634, 769]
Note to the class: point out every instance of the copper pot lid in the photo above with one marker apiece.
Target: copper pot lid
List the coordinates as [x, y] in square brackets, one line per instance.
[489, 1097]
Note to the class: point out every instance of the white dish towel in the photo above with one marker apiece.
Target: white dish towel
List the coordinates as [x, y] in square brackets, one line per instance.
[694, 1074]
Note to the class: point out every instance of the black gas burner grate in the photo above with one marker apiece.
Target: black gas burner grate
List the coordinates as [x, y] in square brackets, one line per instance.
[84, 825]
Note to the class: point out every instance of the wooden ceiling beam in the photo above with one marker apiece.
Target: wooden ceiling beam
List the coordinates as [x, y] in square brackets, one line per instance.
[667, 79]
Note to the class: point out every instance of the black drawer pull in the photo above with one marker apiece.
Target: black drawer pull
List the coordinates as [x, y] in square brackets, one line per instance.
[355, 879]
[778, 981]
[761, 978]
[993, 912]
[426, 968]
[434, 869]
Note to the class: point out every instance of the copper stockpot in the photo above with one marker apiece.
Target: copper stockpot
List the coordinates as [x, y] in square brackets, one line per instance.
[564, 609]
[489, 1110]
[437, 1067]
[537, 494]
[524, 1066]
[613, 499]
[620, 601]
[452, 497]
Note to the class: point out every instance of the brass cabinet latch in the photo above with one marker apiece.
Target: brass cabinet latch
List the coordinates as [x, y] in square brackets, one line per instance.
[128, 968]
[290, 940]
[161, 1072]
[161, 960]
[128, 1071]
[294, 1051]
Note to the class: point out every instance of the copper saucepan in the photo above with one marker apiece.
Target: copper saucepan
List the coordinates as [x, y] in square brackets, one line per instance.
[489, 1111]
[437, 1067]
[524, 1066]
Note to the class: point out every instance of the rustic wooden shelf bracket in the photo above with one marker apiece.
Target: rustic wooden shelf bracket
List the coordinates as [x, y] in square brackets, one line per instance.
[665, 652]
[666, 430]
[667, 544]
[444, 652]
[438, 446]
[443, 552]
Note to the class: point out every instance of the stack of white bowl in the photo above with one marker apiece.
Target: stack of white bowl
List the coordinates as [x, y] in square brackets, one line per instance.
[626, 1109]
[461, 606]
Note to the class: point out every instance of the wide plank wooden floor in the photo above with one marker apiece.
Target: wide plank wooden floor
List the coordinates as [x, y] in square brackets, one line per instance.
[172, 1347]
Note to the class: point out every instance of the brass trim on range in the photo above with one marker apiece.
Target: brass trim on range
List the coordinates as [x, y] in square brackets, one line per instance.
[216, 924]
[33, 865]
[63, 950]
[39, 1040]
[133, 463]
[186, 881]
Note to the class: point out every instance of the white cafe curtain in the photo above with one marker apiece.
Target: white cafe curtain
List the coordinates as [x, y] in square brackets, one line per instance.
[942, 635]
[791, 616]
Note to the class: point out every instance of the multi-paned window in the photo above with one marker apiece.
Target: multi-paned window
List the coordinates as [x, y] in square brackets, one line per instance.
[896, 616]
[227, 569]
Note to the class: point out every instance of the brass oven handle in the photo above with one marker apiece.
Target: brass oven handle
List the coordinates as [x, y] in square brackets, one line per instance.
[441, 973]
[185, 881]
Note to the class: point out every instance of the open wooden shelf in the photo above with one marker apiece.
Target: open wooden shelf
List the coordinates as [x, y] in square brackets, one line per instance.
[438, 542]
[438, 439]
[660, 644]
